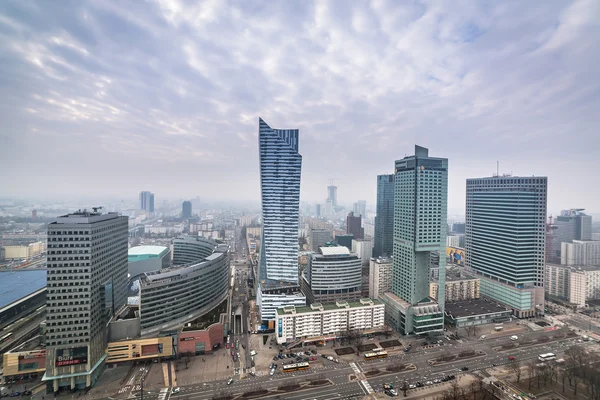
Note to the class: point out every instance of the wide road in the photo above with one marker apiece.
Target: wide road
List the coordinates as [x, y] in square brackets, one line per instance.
[339, 374]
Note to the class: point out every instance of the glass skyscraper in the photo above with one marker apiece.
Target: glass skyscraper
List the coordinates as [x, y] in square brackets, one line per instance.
[280, 170]
[505, 239]
[384, 220]
[420, 213]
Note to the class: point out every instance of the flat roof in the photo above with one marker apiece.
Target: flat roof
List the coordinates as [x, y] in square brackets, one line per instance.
[156, 251]
[473, 307]
[330, 306]
[15, 285]
[334, 251]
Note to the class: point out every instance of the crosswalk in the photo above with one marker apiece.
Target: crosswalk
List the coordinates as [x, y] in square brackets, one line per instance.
[362, 380]
[164, 392]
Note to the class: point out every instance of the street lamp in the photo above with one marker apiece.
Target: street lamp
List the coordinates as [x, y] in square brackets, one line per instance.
[142, 390]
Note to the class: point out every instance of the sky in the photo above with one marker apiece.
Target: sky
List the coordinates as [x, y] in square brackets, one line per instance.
[115, 97]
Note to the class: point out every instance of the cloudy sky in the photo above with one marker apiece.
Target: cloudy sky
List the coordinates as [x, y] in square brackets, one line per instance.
[114, 97]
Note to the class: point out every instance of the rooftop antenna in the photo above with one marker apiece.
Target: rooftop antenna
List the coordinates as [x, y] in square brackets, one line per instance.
[97, 208]
[497, 168]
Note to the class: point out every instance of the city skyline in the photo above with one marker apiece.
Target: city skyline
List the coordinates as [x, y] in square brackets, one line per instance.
[103, 86]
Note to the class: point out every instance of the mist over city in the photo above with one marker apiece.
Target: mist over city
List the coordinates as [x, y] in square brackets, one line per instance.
[332, 200]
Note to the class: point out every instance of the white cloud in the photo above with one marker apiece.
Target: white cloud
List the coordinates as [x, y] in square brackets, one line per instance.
[185, 81]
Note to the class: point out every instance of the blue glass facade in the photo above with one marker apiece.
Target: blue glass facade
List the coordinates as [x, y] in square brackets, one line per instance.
[384, 221]
[280, 170]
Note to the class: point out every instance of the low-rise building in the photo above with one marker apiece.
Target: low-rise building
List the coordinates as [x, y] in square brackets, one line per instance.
[475, 312]
[326, 319]
[22, 363]
[380, 276]
[575, 284]
[141, 259]
[24, 251]
[319, 238]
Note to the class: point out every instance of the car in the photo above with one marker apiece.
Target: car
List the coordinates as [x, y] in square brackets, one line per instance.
[412, 386]
[275, 358]
[419, 384]
[511, 357]
[175, 390]
[436, 381]
[27, 393]
[230, 381]
[252, 373]
[464, 369]
[428, 383]
[272, 372]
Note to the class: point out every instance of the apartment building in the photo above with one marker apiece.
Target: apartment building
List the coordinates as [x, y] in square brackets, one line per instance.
[319, 319]
[457, 289]
[380, 276]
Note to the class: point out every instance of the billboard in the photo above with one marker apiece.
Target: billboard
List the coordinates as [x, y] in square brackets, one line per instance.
[455, 255]
[73, 356]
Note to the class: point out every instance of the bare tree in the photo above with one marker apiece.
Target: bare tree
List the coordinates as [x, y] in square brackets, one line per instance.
[515, 366]
[531, 370]
[476, 331]
[404, 388]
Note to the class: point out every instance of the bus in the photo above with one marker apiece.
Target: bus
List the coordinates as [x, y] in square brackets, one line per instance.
[547, 357]
[379, 354]
[296, 367]
[5, 337]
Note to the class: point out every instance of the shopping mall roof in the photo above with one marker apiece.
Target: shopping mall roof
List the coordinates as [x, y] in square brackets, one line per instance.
[138, 253]
[473, 307]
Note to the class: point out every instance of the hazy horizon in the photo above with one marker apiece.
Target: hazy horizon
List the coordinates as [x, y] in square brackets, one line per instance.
[114, 98]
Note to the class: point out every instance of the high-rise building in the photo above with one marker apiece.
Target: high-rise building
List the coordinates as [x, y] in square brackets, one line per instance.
[345, 240]
[186, 209]
[364, 249]
[458, 227]
[580, 253]
[420, 213]
[332, 195]
[147, 201]
[87, 284]
[319, 238]
[318, 210]
[505, 239]
[333, 274]
[354, 226]
[280, 170]
[570, 225]
[360, 208]
[380, 276]
[384, 220]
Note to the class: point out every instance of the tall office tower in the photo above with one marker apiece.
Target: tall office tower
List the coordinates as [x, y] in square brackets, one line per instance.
[384, 220]
[186, 209]
[570, 225]
[505, 239]
[147, 201]
[332, 195]
[354, 226]
[318, 210]
[87, 284]
[420, 203]
[280, 170]
[360, 208]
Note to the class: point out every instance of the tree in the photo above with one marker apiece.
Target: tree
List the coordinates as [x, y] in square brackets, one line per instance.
[515, 366]
[531, 370]
[404, 388]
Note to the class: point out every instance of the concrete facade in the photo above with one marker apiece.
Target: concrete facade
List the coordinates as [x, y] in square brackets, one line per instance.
[326, 319]
[580, 253]
[319, 237]
[24, 251]
[87, 275]
[459, 289]
[380, 276]
[200, 341]
[363, 248]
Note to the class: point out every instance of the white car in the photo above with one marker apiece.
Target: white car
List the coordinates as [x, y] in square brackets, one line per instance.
[230, 381]
[272, 372]
[175, 390]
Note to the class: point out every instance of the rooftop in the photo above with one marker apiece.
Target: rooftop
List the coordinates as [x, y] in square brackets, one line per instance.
[151, 251]
[473, 307]
[340, 305]
[18, 284]
[334, 251]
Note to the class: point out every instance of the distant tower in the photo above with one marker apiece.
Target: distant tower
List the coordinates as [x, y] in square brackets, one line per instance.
[360, 208]
[34, 214]
[147, 201]
[186, 209]
[353, 226]
[332, 194]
